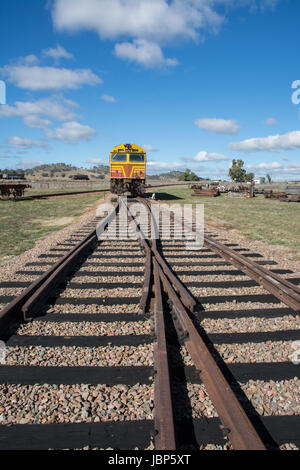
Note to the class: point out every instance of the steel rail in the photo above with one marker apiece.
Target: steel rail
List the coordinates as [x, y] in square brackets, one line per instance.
[40, 296]
[235, 422]
[284, 290]
[13, 309]
[40, 290]
[91, 191]
[187, 299]
[164, 438]
[163, 416]
[281, 288]
[148, 262]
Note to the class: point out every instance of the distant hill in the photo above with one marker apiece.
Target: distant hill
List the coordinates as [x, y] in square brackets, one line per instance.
[64, 171]
[170, 175]
[102, 169]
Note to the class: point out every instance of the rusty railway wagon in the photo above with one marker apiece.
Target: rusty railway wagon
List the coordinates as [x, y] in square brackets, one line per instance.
[16, 190]
[127, 169]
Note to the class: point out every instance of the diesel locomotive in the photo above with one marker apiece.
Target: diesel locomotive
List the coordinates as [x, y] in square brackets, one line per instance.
[127, 169]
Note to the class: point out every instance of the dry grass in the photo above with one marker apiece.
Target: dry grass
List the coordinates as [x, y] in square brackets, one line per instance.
[24, 222]
[271, 221]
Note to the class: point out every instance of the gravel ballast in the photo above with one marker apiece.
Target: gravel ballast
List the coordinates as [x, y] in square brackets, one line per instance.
[41, 404]
[63, 356]
[85, 328]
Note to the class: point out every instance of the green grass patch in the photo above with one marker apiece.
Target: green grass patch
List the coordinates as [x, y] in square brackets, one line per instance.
[22, 223]
[274, 222]
[39, 191]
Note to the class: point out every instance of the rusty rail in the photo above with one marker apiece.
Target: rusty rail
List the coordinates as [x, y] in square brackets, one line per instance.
[284, 290]
[163, 409]
[163, 416]
[15, 308]
[281, 288]
[186, 297]
[26, 304]
[78, 193]
[235, 422]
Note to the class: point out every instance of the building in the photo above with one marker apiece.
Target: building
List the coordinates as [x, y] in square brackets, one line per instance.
[259, 181]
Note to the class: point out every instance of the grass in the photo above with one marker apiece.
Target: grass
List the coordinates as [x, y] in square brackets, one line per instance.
[38, 191]
[22, 223]
[270, 221]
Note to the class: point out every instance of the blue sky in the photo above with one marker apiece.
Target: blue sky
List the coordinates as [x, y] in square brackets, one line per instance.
[196, 82]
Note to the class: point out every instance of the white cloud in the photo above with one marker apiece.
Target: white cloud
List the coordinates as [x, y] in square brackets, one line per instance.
[220, 126]
[33, 112]
[271, 121]
[30, 59]
[165, 166]
[37, 78]
[71, 132]
[146, 53]
[58, 53]
[294, 166]
[273, 143]
[108, 98]
[265, 166]
[36, 121]
[25, 164]
[149, 148]
[275, 168]
[206, 157]
[268, 4]
[25, 143]
[158, 20]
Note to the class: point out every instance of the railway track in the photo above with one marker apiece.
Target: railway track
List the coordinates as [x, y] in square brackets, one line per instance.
[78, 193]
[137, 344]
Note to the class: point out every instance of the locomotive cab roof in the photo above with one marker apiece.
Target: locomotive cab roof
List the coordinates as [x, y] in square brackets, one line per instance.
[127, 148]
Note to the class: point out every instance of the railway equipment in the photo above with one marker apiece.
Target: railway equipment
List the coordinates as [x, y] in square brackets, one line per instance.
[208, 192]
[95, 310]
[127, 169]
[13, 189]
[282, 196]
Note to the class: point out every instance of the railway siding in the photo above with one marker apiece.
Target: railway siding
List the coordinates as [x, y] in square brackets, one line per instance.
[85, 368]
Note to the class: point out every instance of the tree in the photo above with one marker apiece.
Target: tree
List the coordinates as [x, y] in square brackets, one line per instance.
[269, 178]
[249, 177]
[238, 174]
[188, 175]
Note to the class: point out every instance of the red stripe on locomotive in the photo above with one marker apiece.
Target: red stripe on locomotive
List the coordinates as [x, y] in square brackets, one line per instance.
[127, 170]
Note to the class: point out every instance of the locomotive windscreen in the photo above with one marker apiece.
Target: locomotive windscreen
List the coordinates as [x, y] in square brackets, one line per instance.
[137, 158]
[118, 157]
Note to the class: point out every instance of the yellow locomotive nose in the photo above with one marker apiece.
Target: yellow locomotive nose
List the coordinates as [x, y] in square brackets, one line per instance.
[127, 169]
